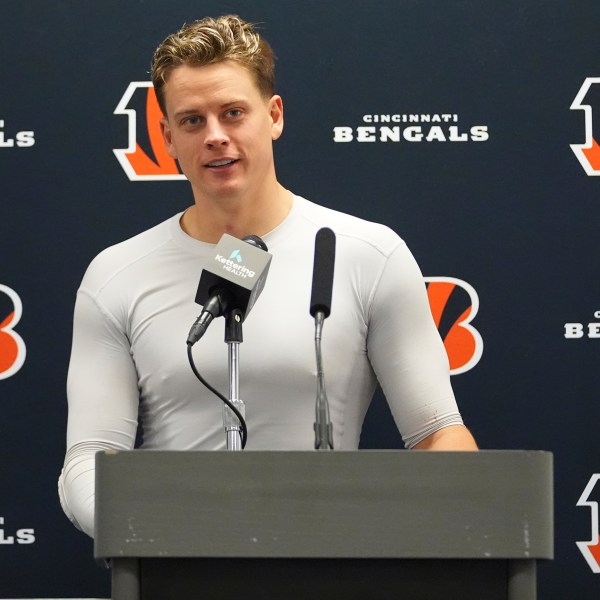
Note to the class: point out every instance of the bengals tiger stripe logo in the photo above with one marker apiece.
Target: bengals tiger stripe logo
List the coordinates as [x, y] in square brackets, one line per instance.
[588, 100]
[12, 346]
[454, 304]
[145, 158]
[591, 549]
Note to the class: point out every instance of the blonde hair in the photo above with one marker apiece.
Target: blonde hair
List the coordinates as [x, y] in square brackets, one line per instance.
[212, 40]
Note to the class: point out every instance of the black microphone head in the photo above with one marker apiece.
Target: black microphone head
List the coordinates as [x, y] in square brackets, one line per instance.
[239, 270]
[255, 241]
[322, 285]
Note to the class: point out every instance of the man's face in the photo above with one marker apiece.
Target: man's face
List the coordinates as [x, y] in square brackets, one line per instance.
[220, 129]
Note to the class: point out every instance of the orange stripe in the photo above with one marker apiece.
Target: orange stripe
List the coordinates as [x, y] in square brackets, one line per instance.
[595, 550]
[8, 320]
[153, 117]
[438, 293]
[593, 155]
[8, 346]
[141, 163]
[460, 343]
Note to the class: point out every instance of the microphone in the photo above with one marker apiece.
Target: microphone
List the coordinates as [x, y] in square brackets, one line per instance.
[320, 309]
[322, 284]
[233, 280]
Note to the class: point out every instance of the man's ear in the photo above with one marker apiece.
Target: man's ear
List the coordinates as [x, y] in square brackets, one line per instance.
[276, 112]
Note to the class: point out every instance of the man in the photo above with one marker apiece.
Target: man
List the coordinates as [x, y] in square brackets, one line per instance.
[215, 84]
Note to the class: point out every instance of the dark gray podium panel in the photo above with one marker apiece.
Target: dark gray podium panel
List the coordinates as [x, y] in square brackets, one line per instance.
[374, 524]
[325, 504]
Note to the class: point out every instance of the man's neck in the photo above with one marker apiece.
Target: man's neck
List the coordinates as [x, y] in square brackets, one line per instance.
[208, 220]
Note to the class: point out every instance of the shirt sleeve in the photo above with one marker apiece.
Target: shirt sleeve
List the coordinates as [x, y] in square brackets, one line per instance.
[407, 353]
[103, 398]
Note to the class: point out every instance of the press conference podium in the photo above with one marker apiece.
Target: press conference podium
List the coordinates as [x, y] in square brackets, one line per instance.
[360, 525]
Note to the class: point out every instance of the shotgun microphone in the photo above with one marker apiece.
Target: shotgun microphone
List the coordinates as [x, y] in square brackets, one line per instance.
[322, 284]
[320, 309]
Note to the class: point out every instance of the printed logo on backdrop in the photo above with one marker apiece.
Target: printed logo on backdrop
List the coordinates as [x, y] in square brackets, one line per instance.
[19, 536]
[454, 304]
[588, 100]
[12, 346]
[591, 549]
[411, 128]
[145, 158]
[577, 331]
[18, 139]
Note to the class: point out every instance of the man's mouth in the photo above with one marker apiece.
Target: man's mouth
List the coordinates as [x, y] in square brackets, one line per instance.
[226, 162]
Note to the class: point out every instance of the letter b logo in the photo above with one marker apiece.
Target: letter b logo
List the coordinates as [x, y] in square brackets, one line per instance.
[12, 346]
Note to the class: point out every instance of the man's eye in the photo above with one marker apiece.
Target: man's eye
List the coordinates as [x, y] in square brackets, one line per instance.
[191, 121]
[234, 113]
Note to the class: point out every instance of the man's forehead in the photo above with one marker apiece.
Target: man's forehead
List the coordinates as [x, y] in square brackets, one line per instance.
[218, 85]
[210, 78]
[225, 70]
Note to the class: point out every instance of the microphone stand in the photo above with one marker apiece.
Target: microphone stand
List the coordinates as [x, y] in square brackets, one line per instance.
[233, 337]
[323, 427]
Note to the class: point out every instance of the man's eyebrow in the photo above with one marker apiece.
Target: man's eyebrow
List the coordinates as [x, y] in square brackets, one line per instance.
[185, 111]
[233, 102]
[189, 111]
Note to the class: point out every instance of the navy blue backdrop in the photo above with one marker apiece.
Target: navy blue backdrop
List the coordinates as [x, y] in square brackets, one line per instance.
[468, 126]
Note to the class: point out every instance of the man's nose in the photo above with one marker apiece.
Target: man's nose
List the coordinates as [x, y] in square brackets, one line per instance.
[215, 133]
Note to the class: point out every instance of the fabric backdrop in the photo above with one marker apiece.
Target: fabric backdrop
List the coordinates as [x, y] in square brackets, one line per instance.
[471, 127]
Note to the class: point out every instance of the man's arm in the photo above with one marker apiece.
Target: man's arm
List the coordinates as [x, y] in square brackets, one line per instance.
[103, 399]
[410, 361]
[453, 437]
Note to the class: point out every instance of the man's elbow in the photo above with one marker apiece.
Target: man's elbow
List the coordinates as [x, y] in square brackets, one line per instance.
[453, 437]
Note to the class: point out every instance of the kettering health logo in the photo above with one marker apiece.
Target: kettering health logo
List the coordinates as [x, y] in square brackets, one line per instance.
[235, 268]
[411, 127]
[588, 100]
[145, 158]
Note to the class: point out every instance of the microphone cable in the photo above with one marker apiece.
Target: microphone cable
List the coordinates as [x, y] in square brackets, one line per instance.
[236, 412]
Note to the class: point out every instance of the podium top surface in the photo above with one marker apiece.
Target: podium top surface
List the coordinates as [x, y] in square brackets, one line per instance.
[363, 504]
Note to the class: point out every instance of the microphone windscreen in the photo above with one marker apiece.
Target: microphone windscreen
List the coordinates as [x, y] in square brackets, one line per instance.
[256, 241]
[240, 268]
[322, 285]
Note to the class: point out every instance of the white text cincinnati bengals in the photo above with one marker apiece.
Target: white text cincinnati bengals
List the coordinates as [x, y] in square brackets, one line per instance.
[575, 331]
[22, 139]
[415, 128]
[21, 536]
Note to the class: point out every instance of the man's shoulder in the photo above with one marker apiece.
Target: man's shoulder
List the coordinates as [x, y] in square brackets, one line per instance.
[119, 258]
[353, 229]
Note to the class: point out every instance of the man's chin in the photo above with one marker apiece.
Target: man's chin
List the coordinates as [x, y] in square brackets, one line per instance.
[226, 193]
